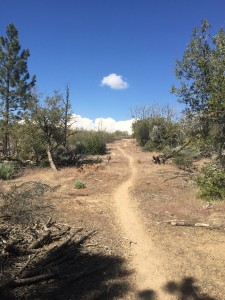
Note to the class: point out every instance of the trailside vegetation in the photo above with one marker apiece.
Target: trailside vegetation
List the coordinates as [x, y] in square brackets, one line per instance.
[15, 84]
[34, 129]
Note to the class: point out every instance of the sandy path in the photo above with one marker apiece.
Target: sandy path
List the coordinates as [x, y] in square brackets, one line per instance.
[145, 259]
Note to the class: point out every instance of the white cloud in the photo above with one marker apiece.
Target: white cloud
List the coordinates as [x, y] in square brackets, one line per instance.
[114, 81]
[107, 124]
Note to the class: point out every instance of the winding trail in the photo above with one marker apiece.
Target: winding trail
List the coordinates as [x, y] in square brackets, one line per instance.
[145, 259]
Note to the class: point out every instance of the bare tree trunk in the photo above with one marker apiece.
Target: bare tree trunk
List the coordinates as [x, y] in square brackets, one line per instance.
[50, 159]
[66, 117]
[6, 123]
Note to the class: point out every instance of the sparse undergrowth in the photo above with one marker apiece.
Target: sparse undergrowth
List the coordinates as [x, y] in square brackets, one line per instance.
[24, 204]
[79, 184]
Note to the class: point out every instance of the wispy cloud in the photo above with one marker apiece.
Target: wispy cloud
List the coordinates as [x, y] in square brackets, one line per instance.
[107, 124]
[114, 81]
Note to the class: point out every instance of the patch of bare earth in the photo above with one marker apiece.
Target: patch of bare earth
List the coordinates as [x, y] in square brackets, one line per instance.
[129, 203]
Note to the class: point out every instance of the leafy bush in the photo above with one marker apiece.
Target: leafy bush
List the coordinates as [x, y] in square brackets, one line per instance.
[80, 184]
[183, 161]
[6, 171]
[211, 182]
[153, 146]
[95, 144]
[185, 158]
[157, 132]
[141, 130]
[91, 142]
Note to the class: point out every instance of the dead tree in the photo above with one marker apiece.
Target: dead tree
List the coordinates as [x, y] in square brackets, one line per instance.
[161, 158]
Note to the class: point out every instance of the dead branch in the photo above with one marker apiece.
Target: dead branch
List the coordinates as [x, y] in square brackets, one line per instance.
[66, 242]
[30, 280]
[175, 152]
[9, 158]
[182, 175]
[27, 263]
[191, 224]
[35, 279]
[48, 224]
[58, 236]
[85, 237]
[41, 241]
[130, 242]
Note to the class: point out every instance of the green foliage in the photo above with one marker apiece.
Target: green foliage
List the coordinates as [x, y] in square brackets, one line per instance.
[29, 141]
[51, 120]
[141, 130]
[15, 88]
[95, 144]
[211, 182]
[157, 132]
[6, 171]
[79, 184]
[184, 159]
[202, 85]
[91, 142]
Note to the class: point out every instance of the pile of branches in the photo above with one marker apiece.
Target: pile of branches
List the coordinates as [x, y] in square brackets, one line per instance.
[34, 249]
[32, 256]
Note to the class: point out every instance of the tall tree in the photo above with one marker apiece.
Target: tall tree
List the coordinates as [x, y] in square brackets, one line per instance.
[194, 71]
[202, 85]
[15, 87]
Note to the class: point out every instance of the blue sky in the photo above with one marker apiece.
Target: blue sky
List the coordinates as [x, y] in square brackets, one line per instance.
[82, 42]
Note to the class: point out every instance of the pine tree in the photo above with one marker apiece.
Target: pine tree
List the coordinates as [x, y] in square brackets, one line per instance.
[15, 87]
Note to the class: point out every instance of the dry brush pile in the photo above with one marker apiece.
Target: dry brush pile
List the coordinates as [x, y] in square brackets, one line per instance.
[38, 256]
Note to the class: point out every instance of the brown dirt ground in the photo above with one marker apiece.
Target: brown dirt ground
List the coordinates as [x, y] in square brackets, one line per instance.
[128, 201]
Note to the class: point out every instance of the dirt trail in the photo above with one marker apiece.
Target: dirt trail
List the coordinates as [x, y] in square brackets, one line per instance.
[145, 259]
[128, 202]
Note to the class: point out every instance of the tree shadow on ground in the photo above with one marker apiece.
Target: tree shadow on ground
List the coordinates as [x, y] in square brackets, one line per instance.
[75, 274]
[146, 295]
[184, 290]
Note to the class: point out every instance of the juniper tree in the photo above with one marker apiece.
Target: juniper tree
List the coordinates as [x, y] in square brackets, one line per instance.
[15, 83]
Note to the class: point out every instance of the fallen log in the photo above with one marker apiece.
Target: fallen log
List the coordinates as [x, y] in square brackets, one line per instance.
[173, 153]
[191, 224]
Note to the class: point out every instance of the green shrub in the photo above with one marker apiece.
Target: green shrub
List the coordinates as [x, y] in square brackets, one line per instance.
[183, 160]
[95, 144]
[90, 142]
[152, 146]
[6, 171]
[211, 182]
[79, 184]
